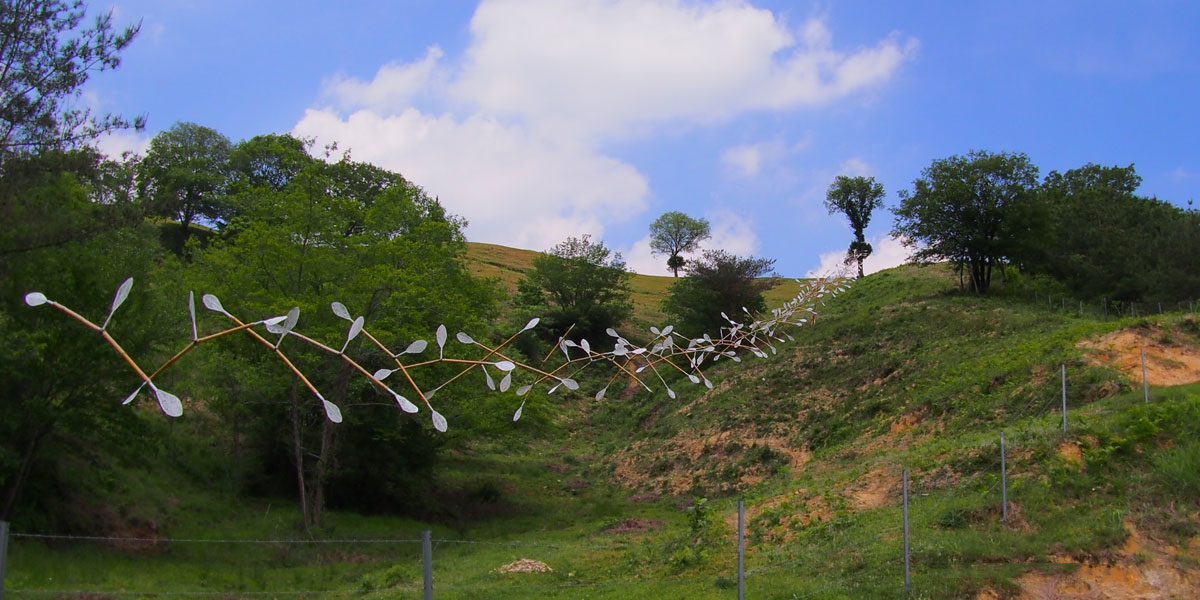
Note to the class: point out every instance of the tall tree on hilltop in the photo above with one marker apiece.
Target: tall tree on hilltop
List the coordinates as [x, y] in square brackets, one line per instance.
[185, 174]
[855, 197]
[675, 233]
[970, 210]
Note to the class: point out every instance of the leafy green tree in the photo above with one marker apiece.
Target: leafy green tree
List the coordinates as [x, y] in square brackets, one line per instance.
[363, 236]
[45, 59]
[577, 283]
[719, 282]
[675, 233]
[970, 210]
[855, 197]
[185, 175]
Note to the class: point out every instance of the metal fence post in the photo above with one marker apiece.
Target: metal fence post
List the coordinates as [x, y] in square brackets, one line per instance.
[1003, 482]
[3, 555]
[1145, 384]
[1064, 395]
[427, 562]
[907, 578]
[741, 566]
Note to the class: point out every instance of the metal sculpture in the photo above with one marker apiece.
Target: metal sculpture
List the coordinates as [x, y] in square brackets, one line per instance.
[668, 350]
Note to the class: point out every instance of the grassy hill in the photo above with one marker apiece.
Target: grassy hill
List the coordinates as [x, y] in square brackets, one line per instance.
[635, 496]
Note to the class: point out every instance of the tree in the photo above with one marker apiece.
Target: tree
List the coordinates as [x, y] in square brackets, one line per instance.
[675, 233]
[719, 282]
[577, 282]
[855, 197]
[45, 59]
[185, 174]
[970, 210]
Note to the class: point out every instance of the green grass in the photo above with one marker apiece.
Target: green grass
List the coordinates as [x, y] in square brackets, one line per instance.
[901, 371]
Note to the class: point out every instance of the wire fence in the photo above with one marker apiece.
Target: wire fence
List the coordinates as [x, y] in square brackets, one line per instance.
[413, 572]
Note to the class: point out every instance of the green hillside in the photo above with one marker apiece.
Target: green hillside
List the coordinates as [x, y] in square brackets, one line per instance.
[635, 496]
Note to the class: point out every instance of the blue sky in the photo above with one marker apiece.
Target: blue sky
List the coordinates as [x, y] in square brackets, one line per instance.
[540, 119]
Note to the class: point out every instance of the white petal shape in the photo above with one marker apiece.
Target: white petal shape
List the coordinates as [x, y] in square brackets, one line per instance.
[521, 391]
[531, 324]
[570, 343]
[439, 422]
[430, 393]
[293, 317]
[134, 394]
[563, 346]
[416, 347]
[119, 299]
[383, 374]
[441, 339]
[640, 369]
[726, 317]
[671, 393]
[569, 383]
[405, 405]
[332, 412]
[505, 382]
[274, 321]
[693, 378]
[505, 365]
[640, 351]
[654, 330]
[168, 402]
[612, 332]
[621, 351]
[586, 346]
[488, 378]
[600, 394]
[464, 338]
[708, 384]
[356, 328]
[192, 313]
[668, 329]
[212, 303]
[552, 390]
[517, 415]
[35, 299]
[339, 309]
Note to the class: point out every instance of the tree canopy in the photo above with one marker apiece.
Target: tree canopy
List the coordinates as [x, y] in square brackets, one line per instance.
[579, 283]
[45, 59]
[673, 234]
[855, 197]
[969, 210]
[716, 283]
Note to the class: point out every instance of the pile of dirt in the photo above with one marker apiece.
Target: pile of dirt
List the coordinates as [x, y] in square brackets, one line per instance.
[526, 565]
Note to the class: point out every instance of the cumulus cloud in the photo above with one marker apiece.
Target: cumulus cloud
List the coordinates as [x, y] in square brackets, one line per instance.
[515, 141]
[888, 252]
[116, 143]
[731, 233]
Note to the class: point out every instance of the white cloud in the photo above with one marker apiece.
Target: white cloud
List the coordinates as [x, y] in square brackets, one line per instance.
[514, 186]
[855, 167]
[746, 160]
[115, 144]
[544, 84]
[640, 259]
[888, 252]
[731, 233]
[1180, 174]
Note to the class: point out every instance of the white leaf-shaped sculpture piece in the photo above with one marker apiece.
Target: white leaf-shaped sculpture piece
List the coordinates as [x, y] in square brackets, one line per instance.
[273, 321]
[586, 346]
[488, 377]
[612, 332]
[36, 299]
[505, 382]
[530, 325]
[600, 394]
[339, 309]
[654, 330]
[693, 378]
[118, 300]
[430, 393]
[668, 329]
[521, 391]
[405, 405]
[569, 383]
[416, 347]
[134, 394]
[439, 422]
[383, 374]
[192, 314]
[505, 365]
[671, 393]
[212, 303]
[332, 412]
[441, 340]
[168, 402]
[355, 329]
[517, 415]
[464, 338]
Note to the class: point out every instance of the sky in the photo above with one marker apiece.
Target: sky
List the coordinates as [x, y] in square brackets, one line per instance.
[536, 120]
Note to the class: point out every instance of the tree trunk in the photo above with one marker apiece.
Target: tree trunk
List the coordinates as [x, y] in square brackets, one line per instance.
[860, 269]
[298, 454]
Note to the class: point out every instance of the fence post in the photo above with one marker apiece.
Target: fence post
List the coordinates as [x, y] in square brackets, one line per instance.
[3, 555]
[1145, 384]
[741, 566]
[427, 562]
[1064, 395]
[907, 579]
[1003, 482]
